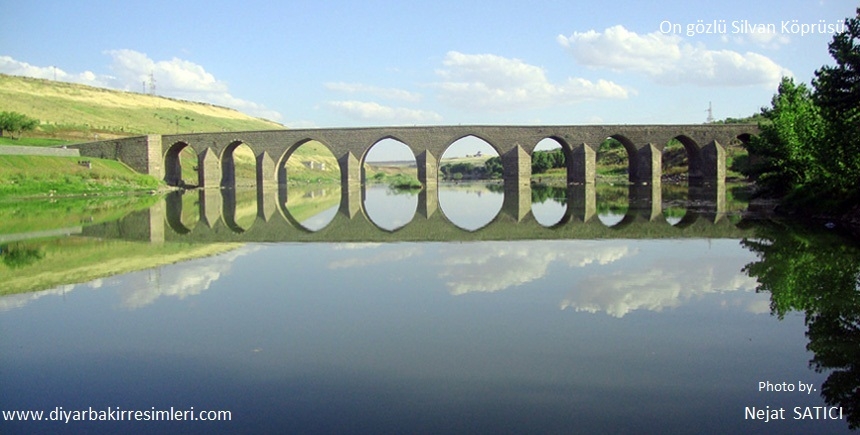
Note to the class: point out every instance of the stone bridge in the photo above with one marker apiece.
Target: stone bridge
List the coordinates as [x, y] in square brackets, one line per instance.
[158, 155]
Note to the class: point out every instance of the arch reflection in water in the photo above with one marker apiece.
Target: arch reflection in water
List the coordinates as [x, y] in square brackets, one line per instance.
[484, 201]
[676, 200]
[549, 204]
[613, 203]
[390, 208]
[240, 208]
[312, 207]
[327, 218]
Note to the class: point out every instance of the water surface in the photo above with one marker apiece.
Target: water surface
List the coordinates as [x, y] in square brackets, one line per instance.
[646, 334]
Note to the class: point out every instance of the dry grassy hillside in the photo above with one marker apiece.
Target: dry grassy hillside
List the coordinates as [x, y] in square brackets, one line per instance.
[69, 110]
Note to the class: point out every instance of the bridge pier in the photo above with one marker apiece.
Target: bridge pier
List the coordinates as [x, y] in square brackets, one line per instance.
[208, 169]
[350, 200]
[648, 165]
[428, 169]
[517, 202]
[713, 167]
[428, 200]
[267, 202]
[211, 204]
[646, 201]
[711, 198]
[350, 184]
[582, 201]
[265, 170]
[582, 164]
[516, 166]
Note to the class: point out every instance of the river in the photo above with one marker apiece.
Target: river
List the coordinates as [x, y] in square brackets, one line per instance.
[584, 312]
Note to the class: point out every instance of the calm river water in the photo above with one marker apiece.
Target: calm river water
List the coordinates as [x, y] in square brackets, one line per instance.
[467, 318]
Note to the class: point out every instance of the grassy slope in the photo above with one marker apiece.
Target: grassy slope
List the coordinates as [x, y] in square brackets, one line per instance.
[27, 176]
[73, 111]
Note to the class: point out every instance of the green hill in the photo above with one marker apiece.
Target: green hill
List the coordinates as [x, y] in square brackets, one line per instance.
[70, 112]
[79, 112]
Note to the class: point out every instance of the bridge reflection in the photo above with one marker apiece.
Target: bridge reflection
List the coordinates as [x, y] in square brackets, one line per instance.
[215, 215]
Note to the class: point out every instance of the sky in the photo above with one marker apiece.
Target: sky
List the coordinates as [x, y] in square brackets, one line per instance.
[315, 64]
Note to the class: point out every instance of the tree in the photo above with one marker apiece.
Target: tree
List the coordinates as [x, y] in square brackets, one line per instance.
[16, 123]
[837, 93]
[19, 256]
[493, 167]
[783, 152]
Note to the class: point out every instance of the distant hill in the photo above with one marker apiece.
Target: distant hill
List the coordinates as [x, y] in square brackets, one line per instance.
[73, 111]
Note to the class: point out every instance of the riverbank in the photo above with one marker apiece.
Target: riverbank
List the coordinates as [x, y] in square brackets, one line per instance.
[28, 176]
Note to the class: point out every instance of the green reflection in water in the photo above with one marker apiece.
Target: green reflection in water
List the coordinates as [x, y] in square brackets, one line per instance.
[27, 216]
[305, 202]
[72, 260]
[817, 274]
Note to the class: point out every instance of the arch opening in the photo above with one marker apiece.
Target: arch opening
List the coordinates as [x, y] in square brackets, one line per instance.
[309, 190]
[471, 193]
[391, 187]
[238, 166]
[680, 162]
[180, 166]
[614, 159]
[549, 177]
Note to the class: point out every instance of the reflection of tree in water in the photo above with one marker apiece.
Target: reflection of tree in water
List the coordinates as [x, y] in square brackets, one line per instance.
[541, 193]
[20, 255]
[818, 274]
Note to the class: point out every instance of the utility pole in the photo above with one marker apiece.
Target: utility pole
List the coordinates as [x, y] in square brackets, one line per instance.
[710, 111]
[151, 83]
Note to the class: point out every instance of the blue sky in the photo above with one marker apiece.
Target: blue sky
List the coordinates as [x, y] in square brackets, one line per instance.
[338, 63]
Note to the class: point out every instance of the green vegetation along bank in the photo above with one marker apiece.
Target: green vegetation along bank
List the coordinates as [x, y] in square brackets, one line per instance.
[807, 151]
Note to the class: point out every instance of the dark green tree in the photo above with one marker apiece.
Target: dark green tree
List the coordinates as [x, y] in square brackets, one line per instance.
[493, 167]
[784, 156]
[16, 123]
[19, 256]
[837, 93]
[541, 162]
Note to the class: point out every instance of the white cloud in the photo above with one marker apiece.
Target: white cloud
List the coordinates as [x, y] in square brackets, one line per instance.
[375, 112]
[175, 78]
[496, 83]
[668, 60]
[11, 66]
[191, 279]
[370, 258]
[491, 267]
[655, 289]
[387, 93]
[179, 79]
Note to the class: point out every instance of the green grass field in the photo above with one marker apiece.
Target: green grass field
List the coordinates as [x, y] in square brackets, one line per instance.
[40, 176]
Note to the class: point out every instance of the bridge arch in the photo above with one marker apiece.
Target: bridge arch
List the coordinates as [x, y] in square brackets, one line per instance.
[630, 150]
[377, 196]
[173, 167]
[692, 156]
[228, 164]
